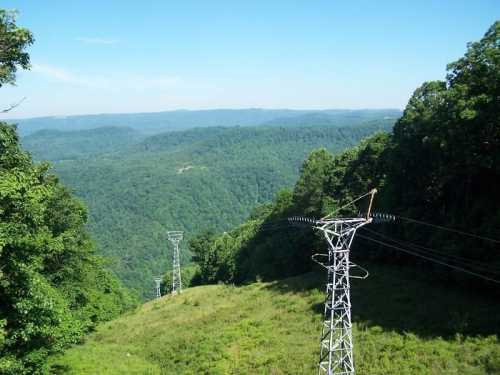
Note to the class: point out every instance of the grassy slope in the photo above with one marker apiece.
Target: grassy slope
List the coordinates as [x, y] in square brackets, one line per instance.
[402, 326]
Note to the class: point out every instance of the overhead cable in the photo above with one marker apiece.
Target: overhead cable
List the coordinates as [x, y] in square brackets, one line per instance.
[449, 229]
[430, 259]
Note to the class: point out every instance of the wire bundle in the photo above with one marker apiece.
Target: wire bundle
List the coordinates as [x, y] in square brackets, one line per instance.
[469, 266]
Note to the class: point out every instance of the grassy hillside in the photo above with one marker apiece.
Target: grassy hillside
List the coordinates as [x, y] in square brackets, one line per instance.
[191, 180]
[402, 325]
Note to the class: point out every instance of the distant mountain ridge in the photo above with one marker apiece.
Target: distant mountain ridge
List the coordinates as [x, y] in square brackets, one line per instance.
[157, 122]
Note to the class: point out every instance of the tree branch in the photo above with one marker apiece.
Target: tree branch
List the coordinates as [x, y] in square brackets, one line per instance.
[12, 106]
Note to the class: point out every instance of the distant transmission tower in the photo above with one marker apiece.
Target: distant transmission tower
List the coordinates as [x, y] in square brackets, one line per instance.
[175, 237]
[336, 347]
[158, 286]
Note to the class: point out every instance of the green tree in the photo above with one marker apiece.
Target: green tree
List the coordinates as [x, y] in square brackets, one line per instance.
[53, 288]
[13, 43]
[310, 188]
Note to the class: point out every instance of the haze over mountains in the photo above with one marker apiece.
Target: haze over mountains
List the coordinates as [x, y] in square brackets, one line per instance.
[155, 122]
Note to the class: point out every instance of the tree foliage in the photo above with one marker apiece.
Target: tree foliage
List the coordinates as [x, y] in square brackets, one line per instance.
[13, 42]
[53, 288]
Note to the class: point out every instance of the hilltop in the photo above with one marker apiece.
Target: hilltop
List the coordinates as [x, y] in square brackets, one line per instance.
[403, 324]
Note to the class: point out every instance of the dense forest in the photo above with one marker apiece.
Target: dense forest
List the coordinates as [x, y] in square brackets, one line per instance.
[57, 145]
[189, 180]
[53, 286]
[440, 165]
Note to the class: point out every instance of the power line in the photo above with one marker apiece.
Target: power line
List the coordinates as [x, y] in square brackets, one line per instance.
[449, 229]
[451, 257]
[430, 259]
[273, 227]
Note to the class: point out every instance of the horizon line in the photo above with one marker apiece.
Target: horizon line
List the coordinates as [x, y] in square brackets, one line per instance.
[205, 110]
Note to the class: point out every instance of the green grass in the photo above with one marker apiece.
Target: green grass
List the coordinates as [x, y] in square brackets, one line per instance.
[403, 325]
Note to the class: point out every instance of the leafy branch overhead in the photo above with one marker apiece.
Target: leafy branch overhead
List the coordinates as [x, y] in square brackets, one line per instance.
[13, 43]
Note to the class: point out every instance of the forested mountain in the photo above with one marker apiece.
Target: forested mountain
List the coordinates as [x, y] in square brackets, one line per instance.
[57, 145]
[438, 171]
[157, 122]
[187, 180]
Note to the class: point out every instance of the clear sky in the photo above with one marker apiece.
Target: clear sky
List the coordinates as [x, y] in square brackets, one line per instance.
[134, 56]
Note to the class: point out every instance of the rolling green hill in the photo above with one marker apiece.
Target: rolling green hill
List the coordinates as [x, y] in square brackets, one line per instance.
[402, 325]
[57, 145]
[188, 180]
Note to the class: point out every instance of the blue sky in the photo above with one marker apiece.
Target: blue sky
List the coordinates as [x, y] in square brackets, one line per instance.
[130, 56]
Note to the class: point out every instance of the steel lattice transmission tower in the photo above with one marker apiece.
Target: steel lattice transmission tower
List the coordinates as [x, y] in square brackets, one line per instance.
[158, 286]
[336, 354]
[175, 237]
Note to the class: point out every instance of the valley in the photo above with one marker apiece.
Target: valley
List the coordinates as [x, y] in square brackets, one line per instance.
[135, 192]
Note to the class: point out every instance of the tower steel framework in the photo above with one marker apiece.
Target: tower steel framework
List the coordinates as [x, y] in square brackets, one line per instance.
[175, 237]
[336, 347]
[158, 286]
